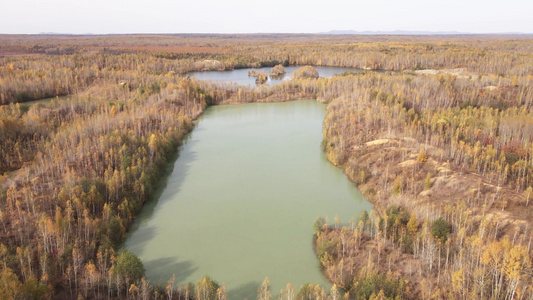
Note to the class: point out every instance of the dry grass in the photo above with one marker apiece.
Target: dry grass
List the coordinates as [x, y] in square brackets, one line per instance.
[450, 185]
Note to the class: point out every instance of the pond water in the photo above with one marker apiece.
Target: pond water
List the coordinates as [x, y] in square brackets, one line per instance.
[241, 200]
[45, 101]
[48, 100]
[240, 76]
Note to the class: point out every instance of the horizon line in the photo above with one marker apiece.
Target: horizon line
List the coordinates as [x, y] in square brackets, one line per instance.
[331, 32]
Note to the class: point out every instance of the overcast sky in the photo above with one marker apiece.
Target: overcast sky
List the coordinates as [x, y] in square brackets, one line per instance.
[249, 16]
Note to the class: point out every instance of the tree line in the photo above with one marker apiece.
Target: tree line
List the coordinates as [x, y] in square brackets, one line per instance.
[445, 158]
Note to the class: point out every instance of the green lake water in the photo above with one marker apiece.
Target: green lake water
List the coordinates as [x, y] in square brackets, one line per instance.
[241, 199]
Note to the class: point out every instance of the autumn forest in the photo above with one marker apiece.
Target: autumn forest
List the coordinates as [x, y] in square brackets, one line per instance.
[435, 131]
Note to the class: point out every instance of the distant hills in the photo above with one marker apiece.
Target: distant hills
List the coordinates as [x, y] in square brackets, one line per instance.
[333, 32]
[59, 33]
[406, 32]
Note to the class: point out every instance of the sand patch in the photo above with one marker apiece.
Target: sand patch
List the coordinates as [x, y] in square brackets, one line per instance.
[407, 163]
[377, 142]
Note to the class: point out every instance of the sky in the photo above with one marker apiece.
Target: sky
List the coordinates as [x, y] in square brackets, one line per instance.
[264, 16]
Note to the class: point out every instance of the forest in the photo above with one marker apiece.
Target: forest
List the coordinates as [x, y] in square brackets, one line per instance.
[436, 132]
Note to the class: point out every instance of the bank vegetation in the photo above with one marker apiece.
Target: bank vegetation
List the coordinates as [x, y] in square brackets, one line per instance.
[440, 141]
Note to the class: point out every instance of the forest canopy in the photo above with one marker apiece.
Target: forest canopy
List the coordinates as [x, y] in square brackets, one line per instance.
[437, 132]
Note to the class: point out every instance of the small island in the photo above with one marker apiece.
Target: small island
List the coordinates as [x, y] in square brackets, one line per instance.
[278, 71]
[305, 73]
[260, 76]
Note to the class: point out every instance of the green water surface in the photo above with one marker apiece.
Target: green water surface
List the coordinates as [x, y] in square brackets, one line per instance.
[241, 200]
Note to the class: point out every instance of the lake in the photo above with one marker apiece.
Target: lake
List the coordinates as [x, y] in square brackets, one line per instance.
[240, 76]
[241, 199]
